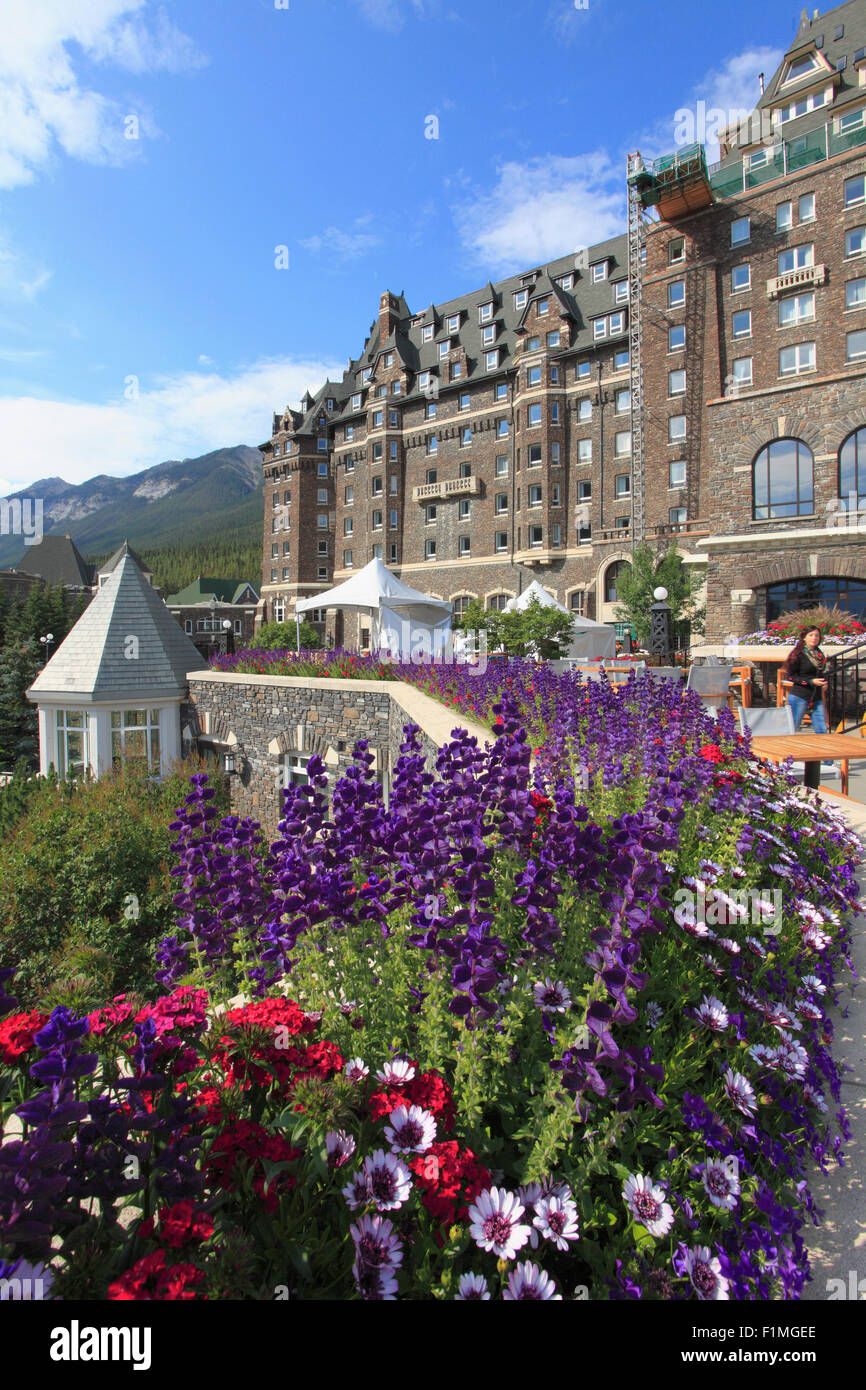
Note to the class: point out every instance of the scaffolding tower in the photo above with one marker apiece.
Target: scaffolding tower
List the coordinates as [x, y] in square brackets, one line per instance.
[638, 181]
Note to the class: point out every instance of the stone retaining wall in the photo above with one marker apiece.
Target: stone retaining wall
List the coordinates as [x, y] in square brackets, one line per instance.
[262, 720]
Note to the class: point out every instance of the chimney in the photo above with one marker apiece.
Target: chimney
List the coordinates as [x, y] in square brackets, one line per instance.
[761, 80]
[388, 315]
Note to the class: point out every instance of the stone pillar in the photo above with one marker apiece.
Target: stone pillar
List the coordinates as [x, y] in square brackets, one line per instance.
[742, 611]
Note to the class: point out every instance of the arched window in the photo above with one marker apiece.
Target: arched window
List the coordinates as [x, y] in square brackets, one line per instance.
[852, 472]
[782, 480]
[811, 590]
[498, 601]
[610, 578]
[460, 604]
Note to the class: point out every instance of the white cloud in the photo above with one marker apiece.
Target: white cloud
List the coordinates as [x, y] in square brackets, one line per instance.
[204, 360]
[543, 209]
[732, 88]
[391, 14]
[43, 107]
[567, 18]
[180, 417]
[344, 245]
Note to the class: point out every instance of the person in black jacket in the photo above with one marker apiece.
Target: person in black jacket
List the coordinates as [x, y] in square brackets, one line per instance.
[806, 666]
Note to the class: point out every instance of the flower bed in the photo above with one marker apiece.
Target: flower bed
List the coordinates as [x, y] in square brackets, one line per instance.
[340, 664]
[548, 1034]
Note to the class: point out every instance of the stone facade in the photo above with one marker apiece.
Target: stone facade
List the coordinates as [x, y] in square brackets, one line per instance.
[272, 724]
[486, 441]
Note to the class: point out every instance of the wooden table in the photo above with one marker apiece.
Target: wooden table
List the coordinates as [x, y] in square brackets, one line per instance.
[810, 749]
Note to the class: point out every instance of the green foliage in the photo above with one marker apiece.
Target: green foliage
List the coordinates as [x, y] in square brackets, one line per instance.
[635, 591]
[85, 890]
[545, 632]
[284, 637]
[175, 566]
[19, 666]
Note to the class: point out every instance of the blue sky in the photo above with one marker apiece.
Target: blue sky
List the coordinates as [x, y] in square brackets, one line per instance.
[142, 316]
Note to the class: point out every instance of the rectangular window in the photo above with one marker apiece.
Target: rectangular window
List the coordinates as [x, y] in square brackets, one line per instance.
[855, 294]
[584, 409]
[500, 541]
[806, 207]
[520, 299]
[553, 339]
[396, 387]
[463, 545]
[285, 574]
[554, 412]
[423, 381]
[500, 392]
[536, 535]
[349, 464]
[795, 360]
[677, 516]
[855, 191]
[741, 324]
[855, 346]
[584, 490]
[621, 360]
[676, 428]
[676, 250]
[622, 402]
[502, 429]
[349, 433]
[430, 514]
[287, 547]
[583, 370]
[377, 486]
[465, 437]
[622, 485]
[543, 307]
[677, 474]
[796, 308]
[533, 376]
[456, 371]
[377, 419]
[464, 509]
[427, 333]
[322, 547]
[676, 383]
[430, 550]
[534, 415]
[430, 410]
[584, 451]
[855, 241]
[554, 374]
[392, 485]
[500, 506]
[535, 495]
[554, 496]
[433, 444]
[377, 552]
[798, 258]
[784, 217]
[741, 278]
[485, 313]
[501, 466]
[72, 755]
[322, 470]
[431, 476]
[565, 282]
[275, 550]
[554, 452]
[453, 323]
[392, 450]
[347, 559]
[377, 452]
[617, 322]
[742, 371]
[322, 496]
[620, 292]
[322, 521]
[135, 734]
[676, 294]
[273, 576]
[356, 401]
[676, 337]
[599, 328]
[622, 443]
[348, 525]
[741, 231]
[392, 553]
[392, 519]
[598, 271]
[377, 521]
[534, 455]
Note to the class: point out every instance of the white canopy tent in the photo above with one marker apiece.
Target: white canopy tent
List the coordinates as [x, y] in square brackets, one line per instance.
[404, 623]
[589, 639]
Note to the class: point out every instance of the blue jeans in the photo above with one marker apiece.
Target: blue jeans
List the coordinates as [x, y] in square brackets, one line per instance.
[819, 718]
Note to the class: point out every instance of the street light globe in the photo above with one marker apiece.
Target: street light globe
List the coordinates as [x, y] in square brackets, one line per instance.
[660, 594]
[226, 624]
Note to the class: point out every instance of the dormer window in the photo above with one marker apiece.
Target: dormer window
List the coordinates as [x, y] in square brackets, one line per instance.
[520, 299]
[389, 359]
[485, 313]
[598, 271]
[427, 333]
[566, 282]
[799, 68]
[543, 306]
[445, 348]
[368, 372]
[330, 405]
[453, 323]
[356, 401]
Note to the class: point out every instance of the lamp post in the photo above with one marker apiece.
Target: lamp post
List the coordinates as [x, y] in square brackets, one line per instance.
[230, 641]
[47, 642]
[661, 639]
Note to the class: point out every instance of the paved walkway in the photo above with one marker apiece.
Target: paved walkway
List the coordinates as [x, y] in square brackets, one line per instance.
[837, 1248]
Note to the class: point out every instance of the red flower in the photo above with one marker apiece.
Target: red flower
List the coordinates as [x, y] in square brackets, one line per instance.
[451, 1178]
[16, 1034]
[151, 1280]
[245, 1141]
[427, 1090]
[183, 1223]
[712, 753]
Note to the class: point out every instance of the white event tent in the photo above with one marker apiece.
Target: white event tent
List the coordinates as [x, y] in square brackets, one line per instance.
[589, 639]
[404, 623]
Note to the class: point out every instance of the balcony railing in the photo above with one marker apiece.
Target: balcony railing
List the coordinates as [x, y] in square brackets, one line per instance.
[786, 157]
[454, 487]
[796, 279]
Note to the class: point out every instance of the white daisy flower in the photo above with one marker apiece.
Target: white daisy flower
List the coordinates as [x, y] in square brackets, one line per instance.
[411, 1131]
[495, 1223]
[552, 995]
[556, 1220]
[355, 1070]
[340, 1147]
[647, 1204]
[527, 1281]
[705, 1273]
[396, 1073]
[472, 1286]
[712, 1013]
[740, 1092]
[721, 1186]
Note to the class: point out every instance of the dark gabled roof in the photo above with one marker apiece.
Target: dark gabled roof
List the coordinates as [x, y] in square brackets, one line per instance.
[57, 560]
[201, 590]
